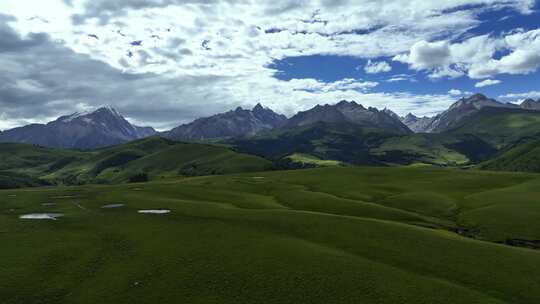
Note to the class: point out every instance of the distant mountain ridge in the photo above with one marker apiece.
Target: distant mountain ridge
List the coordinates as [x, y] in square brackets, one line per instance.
[89, 130]
[236, 123]
[530, 104]
[105, 126]
[415, 123]
[349, 112]
[450, 118]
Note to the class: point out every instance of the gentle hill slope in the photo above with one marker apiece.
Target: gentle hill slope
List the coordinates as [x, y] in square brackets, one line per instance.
[140, 160]
[523, 157]
[339, 235]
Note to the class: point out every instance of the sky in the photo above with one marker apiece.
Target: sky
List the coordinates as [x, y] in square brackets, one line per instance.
[166, 62]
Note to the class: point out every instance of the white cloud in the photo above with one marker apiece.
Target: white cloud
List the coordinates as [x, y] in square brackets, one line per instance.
[475, 56]
[486, 83]
[375, 67]
[401, 77]
[244, 37]
[456, 92]
[521, 96]
[425, 55]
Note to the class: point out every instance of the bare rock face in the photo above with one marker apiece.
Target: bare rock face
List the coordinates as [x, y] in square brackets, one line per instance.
[349, 112]
[237, 123]
[530, 104]
[89, 130]
[415, 123]
[461, 109]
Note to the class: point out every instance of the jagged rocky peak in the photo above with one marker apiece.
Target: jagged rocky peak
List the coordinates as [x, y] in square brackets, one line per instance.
[463, 108]
[479, 101]
[239, 122]
[346, 102]
[415, 123]
[411, 116]
[391, 113]
[348, 112]
[259, 107]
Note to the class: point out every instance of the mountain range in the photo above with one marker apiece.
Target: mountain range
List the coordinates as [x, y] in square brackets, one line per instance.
[240, 122]
[458, 111]
[472, 130]
[349, 112]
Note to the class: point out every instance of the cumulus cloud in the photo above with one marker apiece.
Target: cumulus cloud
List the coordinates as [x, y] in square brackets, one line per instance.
[475, 56]
[486, 83]
[376, 67]
[426, 55]
[199, 57]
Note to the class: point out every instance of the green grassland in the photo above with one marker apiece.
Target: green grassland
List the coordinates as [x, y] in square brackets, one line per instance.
[327, 235]
[437, 149]
[306, 159]
[147, 159]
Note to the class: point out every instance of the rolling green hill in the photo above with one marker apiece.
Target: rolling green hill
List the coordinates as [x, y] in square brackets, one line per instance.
[524, 157]
[140, 160]
[332, 235]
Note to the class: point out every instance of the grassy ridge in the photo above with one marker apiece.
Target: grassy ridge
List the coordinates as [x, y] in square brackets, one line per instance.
[332, 235]
[149, 158]
[524, 157]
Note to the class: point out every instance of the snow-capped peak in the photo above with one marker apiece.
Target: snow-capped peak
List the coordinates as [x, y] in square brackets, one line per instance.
[73, 116]
[76, 115]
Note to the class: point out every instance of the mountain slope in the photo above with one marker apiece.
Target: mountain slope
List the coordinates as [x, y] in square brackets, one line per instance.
[349, 112]
[439, 149]
[239, 122]
[101, 128]
[524, 158]
[530, 104]
[343, 142]
[462, 109]
[417, 124]
[501, 127]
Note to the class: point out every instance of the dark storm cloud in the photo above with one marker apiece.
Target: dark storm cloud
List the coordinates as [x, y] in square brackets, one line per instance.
[41, 78]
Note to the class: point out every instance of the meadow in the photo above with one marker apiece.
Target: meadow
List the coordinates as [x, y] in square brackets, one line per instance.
[326, 235]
